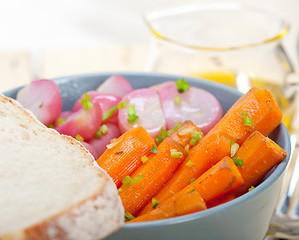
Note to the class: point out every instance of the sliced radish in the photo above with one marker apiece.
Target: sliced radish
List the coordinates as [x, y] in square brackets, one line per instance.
[99, 144]
[84, 123]
[43, 99]
[197, 105]
[116, 85]
[104, 100]
[90, 149]
[148, 111]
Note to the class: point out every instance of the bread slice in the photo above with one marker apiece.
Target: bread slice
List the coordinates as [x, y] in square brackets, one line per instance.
[50, 185]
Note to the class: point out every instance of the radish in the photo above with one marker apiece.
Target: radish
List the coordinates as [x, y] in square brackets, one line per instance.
[62, 118]
[194, 104]
[43, 99]
[84, 122]
[105, 101]
[99, 144]
[116, 85]
[90, 149]
[143, 109]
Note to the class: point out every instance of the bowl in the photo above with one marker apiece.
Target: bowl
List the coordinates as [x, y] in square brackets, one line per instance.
[244, 218]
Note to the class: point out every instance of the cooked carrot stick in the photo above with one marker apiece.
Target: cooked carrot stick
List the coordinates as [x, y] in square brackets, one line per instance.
[254, 111]
[123, 156]
[152, 175]
[259, 154]
[200, 158]
[221, 200]
[188, 134]
[217, 181]
[185, 204]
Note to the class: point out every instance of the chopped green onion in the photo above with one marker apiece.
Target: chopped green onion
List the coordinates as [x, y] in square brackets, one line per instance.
[182, 85]
[231, 142]
[163, 134]
[86, 103]
[176, 154]
[177, 100]
[119, 152]
[187, 148]
[192, 180]
[144, 159]
[102, 131]
[136, 179]
[79, 138]
[132, 117]
[246, 119]
[233, 149]
[127, 179]
[177, 126]
[51, 126]
[41, 105]
[189, 163]
[107, 114]
[251, 188]
[192, 142]
[155, 202]
[238, 162]
[153, 149]
[60, 121]
[194, 188]
[128, 216]
[197, 135]
[122, 104]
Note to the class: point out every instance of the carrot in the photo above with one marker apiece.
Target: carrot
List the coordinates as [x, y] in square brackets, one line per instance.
[123, 156]
[185, 204]
[188, 134]
[217, 181]
[200, 158]
[259, 154]
[152, 175]
[254, 111]
[221, 200]
[257, 109]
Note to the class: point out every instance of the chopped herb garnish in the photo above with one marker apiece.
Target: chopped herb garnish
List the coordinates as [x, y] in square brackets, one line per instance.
[102, 131]
[51, 126]
[192, 142]
[144, 159]
[231, 142]
[155, 202]
[163, 134]
[60, 121]
[192, 180]
[79, 138]
[182, 85]
[238, 162]
[187, 148]
[136, 179]
[195, 137]
[153, 149]
[132, 117]
[177, 100]
[246, 119]
[186, 131]
[194, 188]
[119, 152]
[41, 105]
[128, 216]
[127, 179]
[233, 149]
[176, 154]
[86, 103]
[189, 163]
[122, 104]
[107, 114]
[251, 188]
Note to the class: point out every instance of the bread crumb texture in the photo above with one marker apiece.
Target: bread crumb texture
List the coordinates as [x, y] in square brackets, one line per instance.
[50, 187]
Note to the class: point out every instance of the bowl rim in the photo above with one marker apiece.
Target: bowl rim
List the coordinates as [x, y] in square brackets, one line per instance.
[277, 172]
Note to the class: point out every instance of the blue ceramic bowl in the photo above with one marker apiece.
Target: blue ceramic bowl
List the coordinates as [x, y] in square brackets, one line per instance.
[244, 218]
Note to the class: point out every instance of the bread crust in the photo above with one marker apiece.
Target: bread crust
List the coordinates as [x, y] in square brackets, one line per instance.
[92, 218]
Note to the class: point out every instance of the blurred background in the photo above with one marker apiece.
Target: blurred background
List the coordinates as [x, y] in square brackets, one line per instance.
[48, 39]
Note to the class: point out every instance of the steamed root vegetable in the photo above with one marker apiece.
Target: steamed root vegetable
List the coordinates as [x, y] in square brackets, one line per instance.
[103, 137]
[188, 203]
[153, 174]
[84, 123]
[258, 154]
[116, 85]
[105, 101]
[255, 110]
[194, 104]
[123, 156]
[42, 98]
[142, 110]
